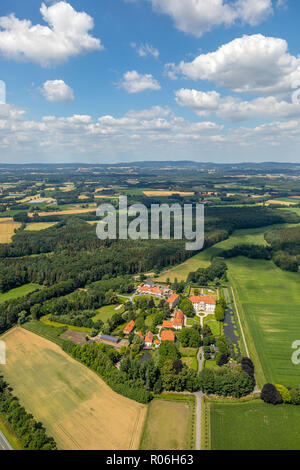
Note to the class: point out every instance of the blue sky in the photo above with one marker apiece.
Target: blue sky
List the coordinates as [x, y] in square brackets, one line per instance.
[124, 80]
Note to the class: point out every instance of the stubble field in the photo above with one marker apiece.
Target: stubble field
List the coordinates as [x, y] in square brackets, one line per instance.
[77, 408]
[7, 229]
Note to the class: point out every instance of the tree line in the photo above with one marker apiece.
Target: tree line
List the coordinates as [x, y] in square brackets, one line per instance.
[31, 434]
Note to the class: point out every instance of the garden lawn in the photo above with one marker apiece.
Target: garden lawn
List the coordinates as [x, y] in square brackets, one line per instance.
[215, 326]
[105, 313]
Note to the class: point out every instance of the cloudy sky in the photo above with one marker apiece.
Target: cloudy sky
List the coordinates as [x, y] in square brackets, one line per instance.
[99, 81]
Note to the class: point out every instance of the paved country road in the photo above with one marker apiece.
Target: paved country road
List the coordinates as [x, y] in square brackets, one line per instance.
[4, 444]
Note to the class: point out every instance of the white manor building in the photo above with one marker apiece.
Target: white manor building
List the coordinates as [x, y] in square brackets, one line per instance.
[203, 304]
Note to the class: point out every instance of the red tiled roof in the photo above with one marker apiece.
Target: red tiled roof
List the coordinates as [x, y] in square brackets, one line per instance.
[157, 341]
[179, 315]
[149, 337]
[167, 324]
[206, 300]
[167, 335]
[129, 327]
[152, 290]
[140, 334]
[172, 298]
[144, 289]
[156, 290]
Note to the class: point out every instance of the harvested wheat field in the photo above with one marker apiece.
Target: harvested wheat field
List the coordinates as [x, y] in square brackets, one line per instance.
[282, 203]
[71, 211]
[166, 193]
[37, 226]
[7, 228]
[106, 197]
[77, 408]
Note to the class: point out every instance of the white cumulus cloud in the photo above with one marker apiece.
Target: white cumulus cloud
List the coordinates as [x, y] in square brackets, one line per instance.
[57, 91]
[255, 64]
[67, 35]
[234, 109]
[199, 16]
[134, 82]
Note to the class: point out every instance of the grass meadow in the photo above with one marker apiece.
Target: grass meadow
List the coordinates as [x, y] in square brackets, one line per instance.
[105, 313]
[45, 319]
[202, 260]
[167, 426]
[19, 292]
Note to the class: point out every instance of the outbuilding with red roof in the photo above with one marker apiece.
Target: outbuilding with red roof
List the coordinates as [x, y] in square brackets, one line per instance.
[173, 300]
[167, 335]
[149, 339]
[129, 328]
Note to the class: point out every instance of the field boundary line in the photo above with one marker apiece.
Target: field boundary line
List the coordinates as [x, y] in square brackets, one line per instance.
[259, 369]
[143, 433]
[135, 428]
[240, 323]
[205, 443]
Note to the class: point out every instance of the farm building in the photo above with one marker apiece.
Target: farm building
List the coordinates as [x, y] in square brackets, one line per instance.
[178, 321]
[149, 339]
[129, 328]
[142, 289]
[173, 300]
[203, 304]
[109, 339]
[167, 335]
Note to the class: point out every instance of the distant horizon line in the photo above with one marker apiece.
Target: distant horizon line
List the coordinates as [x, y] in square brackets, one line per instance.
[149, 162]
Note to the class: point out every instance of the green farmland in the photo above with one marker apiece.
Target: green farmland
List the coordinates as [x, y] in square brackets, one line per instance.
[253, 425]
[269, 305]
[202, 260]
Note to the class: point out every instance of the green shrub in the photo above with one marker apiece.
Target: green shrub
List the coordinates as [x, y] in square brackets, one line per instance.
[295, 396]
[285, 393]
